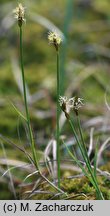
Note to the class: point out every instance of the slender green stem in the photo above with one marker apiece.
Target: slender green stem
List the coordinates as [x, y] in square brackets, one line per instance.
[78, 162]
[25, 102]
[58, 114]
[28, 117]
[88, 160]
[77, 140]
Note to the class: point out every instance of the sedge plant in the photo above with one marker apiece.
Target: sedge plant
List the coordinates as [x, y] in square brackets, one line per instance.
[20, 16]
[66, 105]
[56, 40]
[19, 13]
[75, 103]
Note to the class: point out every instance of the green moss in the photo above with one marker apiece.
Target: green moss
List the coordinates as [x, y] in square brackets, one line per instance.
[106, 167]
[83, 186]
[87, 189]
[77, 188]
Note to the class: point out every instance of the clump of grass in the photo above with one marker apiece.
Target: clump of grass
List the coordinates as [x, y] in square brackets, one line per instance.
[20, 16]
[75, 103]
[66, 105]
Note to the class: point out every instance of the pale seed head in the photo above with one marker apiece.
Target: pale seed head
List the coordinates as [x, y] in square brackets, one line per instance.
[19, 14]
[73, 103]
[64, 104]
[55, 39]
[77, 102]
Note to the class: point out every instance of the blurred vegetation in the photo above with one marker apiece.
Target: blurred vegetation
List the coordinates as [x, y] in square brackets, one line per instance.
[85, 62]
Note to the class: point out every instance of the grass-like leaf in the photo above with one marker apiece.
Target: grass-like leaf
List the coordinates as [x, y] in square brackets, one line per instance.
[18, 111]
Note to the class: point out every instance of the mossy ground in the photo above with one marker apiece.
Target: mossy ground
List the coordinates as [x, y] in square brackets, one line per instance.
[76, 188]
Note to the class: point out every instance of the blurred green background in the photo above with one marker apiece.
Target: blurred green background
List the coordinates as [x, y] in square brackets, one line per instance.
[84, 57]
[84, 64]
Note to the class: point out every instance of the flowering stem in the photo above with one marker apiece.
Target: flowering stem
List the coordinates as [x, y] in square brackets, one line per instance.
[58, 114]
[25, 102]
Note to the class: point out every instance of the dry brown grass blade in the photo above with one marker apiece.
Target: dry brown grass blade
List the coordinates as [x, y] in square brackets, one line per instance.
[103, 146]
[14, 145]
